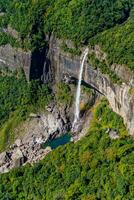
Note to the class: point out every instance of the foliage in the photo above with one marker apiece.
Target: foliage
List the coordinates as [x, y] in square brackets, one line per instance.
[6, 38]
[94, 168]
[27, 17]
[118, 43]
[108, 119]
[4, 5]
[74, 20]
[104, 68]
[81, 20]
[75, 51]
[17, 99]
[63, 93]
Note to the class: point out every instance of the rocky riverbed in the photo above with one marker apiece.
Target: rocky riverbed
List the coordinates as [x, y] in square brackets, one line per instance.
[40, 127]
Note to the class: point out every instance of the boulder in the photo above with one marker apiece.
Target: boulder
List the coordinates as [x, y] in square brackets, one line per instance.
[18, 158]
[18, 142]
[4, 168]
[2, 158]
[113, 134]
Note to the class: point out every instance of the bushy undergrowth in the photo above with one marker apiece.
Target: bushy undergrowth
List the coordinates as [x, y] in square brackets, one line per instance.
[94, 168]
[118, 43]
[63, 94]
[105, 22]
[75, 51]
[17, 99]
[74, 20]
[104, 68]
[8, 39]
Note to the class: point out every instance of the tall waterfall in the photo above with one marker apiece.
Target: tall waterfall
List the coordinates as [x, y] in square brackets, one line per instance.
[77, 101]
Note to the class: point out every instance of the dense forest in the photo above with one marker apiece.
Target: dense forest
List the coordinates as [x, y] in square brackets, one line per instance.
[108, 23]
[95, 168]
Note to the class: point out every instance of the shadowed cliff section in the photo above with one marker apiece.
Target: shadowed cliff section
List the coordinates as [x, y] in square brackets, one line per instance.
[120, 96]
[51, 64]
[37, 63]
[40, 67]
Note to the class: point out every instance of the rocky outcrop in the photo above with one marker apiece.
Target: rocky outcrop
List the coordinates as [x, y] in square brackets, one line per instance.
[36, 131]
[120, 97]
[55, 64]
[14, 58]
[20, 155]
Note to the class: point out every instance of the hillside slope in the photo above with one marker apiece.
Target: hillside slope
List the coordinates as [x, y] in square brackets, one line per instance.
[94, 168]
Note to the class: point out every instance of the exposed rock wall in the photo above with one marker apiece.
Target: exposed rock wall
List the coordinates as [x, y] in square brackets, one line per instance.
[56, 63]
[36, 130]
[120, 97]
[14, 58]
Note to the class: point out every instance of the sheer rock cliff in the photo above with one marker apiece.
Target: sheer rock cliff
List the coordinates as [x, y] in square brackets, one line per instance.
[56, 64]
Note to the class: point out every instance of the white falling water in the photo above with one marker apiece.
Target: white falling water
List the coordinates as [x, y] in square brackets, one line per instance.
[77, 101]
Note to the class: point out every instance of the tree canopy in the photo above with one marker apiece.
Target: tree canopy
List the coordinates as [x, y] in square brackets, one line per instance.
[94, 168]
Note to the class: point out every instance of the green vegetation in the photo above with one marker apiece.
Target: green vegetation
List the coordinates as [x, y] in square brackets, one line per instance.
[8, 39]
[104, 68]
[74, 20]
[106, 118]
[73, 51]
[94, 168]
[7, 130]
[17, 99]
[63, 94]
[4, 5]
[109, 23]
[118, 43]
[81, 20]
[27, 17]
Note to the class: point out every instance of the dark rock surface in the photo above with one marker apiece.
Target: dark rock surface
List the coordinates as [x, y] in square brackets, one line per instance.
[14, 58]
[120, 97]
[55, 64]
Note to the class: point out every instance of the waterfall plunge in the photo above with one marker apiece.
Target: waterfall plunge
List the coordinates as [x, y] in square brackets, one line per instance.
[77, 101]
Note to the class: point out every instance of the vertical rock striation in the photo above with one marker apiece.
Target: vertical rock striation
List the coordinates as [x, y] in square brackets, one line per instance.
[52, 64]
[120, 97]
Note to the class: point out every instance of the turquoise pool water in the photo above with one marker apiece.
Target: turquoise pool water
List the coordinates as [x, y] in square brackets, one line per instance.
[58, 141]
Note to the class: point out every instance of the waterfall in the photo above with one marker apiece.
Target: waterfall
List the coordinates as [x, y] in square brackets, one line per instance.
[77, 101]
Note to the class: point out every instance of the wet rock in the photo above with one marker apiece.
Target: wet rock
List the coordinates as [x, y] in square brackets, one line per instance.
[15, 57]
[34, 115]
[4, 168]
[50, 107]
[113, 134]
[120, 96]
[18, 142]
[38, 131]
[2, 158]
[18, 158]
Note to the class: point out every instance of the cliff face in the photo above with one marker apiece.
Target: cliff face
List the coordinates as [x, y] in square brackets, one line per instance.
[55, 64]
[13, 58]
[34, 63]
[120, 97]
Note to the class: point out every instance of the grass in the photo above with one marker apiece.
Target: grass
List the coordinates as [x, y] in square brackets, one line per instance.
[7, 130]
